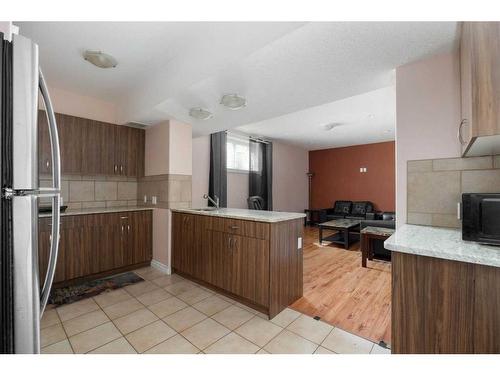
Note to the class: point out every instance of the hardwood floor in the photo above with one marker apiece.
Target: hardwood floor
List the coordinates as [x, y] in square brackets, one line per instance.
[342, 293]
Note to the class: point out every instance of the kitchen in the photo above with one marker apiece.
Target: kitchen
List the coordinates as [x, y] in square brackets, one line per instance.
[141, 266]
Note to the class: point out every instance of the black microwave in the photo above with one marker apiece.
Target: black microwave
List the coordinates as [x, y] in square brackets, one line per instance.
[481, 218]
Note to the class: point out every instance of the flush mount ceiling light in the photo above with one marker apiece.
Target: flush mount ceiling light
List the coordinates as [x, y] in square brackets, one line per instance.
[200, 113]
[233, 101]
[100, 59]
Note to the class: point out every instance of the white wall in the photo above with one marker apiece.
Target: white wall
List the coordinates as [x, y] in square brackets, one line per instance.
[290, 185]
[237, 190]
[427, 116]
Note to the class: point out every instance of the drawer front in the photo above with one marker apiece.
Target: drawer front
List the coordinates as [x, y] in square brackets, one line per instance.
[243, 228]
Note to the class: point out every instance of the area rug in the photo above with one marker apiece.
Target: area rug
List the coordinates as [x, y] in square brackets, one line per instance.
[69, 294]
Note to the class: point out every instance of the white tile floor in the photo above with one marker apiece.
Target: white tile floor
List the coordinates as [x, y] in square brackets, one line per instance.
[168, 314]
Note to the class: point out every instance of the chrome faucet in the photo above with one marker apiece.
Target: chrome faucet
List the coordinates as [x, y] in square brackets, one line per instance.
[215, 202]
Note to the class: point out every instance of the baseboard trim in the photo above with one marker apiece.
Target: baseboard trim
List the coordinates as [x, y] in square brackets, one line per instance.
[160, 266]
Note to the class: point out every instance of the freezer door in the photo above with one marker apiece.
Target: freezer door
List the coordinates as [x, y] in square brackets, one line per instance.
[24, 208]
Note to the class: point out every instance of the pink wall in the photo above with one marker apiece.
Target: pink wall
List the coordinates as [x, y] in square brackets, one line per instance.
[290, 183]
[201, 166]
[168, 150]
[70, 103]
[157, 149]
[427, 116]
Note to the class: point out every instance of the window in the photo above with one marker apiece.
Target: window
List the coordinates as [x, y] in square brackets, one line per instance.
[238, 153]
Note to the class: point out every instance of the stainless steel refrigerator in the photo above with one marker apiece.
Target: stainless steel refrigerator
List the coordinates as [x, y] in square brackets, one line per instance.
[23, 296]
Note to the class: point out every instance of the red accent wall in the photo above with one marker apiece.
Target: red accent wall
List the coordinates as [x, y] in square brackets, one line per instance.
[337, 175]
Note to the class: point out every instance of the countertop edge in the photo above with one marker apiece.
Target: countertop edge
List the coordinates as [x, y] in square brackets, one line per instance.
[95, 211]
[296, 215]
[440, 252]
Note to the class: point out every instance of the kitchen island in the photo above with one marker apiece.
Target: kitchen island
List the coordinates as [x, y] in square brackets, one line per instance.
[254, 257]
[445, 292]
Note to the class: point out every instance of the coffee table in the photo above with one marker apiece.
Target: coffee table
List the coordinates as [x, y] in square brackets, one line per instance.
[368, 234]
[347, 231]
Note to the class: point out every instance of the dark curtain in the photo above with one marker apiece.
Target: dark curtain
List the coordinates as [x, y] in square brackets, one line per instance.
[217, 183]
[261, 172]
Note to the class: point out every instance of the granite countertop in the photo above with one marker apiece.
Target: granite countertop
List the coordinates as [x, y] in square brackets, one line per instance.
[378, 231]
[242, 214]
[97, 210]
[441, 243]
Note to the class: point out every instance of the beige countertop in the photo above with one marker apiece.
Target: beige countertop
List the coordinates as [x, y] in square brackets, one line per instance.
[242, 214]
[97, 210]
[441, 243]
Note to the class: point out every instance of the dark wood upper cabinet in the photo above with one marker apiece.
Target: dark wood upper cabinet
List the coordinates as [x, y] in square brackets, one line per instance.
[92, 147]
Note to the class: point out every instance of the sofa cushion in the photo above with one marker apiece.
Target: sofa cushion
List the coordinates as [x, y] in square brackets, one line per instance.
[342, 207]
[361, 208]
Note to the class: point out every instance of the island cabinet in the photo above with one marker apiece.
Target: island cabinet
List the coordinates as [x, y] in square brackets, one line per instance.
[444, 306]
[256, 263]
[96, 245]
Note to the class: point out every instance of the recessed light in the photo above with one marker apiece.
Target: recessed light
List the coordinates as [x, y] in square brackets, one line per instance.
[100, 59]
[233, 101]
[200, 113]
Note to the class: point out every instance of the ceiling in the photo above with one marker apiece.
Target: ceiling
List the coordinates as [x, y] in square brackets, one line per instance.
[165, 68]
[360, 119]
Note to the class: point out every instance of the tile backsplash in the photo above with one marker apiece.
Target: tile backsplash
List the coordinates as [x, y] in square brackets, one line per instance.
[435, 187]
[79, 191]
[170, 190]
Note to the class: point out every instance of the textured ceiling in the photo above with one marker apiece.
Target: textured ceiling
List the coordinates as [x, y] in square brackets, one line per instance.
[360, 119]
[166, 68]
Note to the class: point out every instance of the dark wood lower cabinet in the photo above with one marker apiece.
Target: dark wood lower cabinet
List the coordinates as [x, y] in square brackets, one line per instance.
[94, 245]
[257, 263]
[443, 306]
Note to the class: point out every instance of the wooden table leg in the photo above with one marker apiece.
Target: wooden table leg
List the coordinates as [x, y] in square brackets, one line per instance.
[363, 250]
[346, 238]
[370, 250]
[320, 235]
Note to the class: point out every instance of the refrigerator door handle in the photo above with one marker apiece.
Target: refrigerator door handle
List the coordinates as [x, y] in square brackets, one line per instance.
[54, 192]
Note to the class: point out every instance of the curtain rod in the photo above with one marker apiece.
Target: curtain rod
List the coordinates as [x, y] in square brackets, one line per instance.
[246, 136]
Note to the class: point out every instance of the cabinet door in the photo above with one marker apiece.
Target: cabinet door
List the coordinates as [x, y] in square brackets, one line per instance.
[97, 147]
[70, 142]
[466, 125]
[485, 61]
[135, 148]
[202, 239]
[122, 134]
[44, 236]
[110, 236]
[44, 154]
[250, 269]
[221, 260]
[140, 236]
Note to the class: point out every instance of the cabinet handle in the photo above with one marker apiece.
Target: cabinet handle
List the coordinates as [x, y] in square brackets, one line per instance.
[460, 137]
[47, 164]
[128, 228]
[234, 227]
[116, 168]
[230, 241]
[123, 217]
[122, 230]
[121, 169]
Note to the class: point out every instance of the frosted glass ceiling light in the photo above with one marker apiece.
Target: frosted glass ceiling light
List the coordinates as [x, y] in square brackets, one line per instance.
[100, 59]
[233, 101]
[200, 113]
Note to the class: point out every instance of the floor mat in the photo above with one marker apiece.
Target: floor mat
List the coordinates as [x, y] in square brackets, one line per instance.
[69, 294]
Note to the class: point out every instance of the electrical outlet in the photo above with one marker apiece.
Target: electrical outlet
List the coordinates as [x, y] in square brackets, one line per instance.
[299, 243]
[153, 199]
